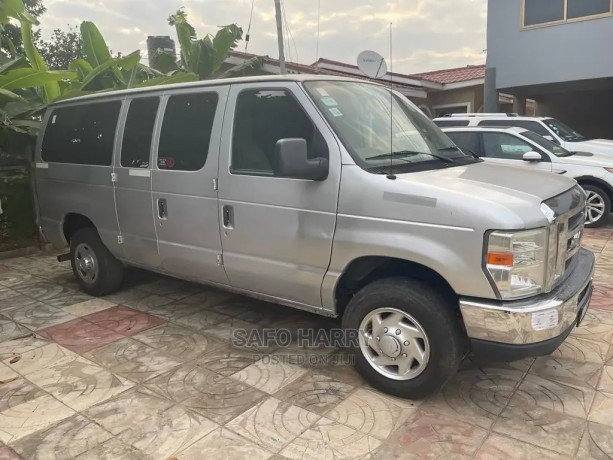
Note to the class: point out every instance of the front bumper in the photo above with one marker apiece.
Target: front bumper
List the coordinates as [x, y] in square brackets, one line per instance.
[530, 327]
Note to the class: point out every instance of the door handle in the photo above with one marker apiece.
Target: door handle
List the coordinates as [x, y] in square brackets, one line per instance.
[228, 216]
[162, 208]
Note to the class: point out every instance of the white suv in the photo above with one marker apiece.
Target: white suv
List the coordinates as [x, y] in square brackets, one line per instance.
[550, 128]
[521, 147]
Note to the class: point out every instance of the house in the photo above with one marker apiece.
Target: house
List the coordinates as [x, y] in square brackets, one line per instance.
[557, 52]
[436, 93]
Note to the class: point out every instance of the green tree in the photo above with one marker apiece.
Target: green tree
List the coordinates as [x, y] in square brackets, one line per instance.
[62, 48]
[11, 33]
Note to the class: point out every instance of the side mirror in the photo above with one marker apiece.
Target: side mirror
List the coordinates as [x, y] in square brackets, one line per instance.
[532, 156]
[291, 161]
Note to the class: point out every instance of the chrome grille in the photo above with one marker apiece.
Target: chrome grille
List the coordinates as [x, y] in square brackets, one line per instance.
[567, 229]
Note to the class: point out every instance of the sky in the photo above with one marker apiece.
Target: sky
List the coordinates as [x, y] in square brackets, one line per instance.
[427, 34]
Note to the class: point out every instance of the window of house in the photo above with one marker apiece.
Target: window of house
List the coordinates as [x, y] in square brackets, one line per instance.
[186, 131]
[81, 134]
[582, 8]
[467, 141]
[501, 145]
[539, 12]
[262, 118]
[136, 145]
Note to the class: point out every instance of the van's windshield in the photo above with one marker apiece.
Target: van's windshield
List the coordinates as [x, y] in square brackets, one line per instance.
[360, 115]
[565, 132]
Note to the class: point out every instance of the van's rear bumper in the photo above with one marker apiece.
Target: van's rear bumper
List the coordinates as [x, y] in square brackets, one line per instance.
[506, 331]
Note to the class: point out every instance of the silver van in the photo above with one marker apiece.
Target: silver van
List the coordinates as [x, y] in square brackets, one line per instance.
[324, 194]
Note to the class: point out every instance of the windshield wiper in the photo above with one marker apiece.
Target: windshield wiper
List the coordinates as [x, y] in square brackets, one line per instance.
[466, 152]
[400, 154]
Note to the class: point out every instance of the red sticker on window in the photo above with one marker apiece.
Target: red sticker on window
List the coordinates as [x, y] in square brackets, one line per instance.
[166, 162]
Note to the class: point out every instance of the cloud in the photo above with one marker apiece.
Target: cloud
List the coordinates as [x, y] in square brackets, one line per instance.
[428, 34]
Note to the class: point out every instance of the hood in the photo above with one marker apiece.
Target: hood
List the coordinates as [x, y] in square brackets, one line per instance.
[506, 196]
[603, 160]
[604, 146]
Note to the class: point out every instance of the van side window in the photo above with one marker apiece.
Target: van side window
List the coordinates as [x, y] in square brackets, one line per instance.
[81, 134]
[136, 145]
[186, 131]
[262, 118]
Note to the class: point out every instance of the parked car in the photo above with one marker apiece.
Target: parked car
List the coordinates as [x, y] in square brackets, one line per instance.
[287, 189]
[520, 147]
[550, 128]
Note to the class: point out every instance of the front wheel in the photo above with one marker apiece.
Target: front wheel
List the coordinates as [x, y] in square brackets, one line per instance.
[598, 206]
[409, 338]
[94, 267]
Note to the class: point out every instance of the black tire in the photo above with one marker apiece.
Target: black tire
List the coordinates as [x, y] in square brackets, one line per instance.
[109, 272]
[607, 205]
[440, 322]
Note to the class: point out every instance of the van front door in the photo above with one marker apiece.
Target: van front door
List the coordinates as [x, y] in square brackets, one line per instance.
[276, 232]
[184, 190]
[133, 184]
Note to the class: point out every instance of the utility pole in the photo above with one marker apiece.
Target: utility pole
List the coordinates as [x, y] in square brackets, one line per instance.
[280, 37]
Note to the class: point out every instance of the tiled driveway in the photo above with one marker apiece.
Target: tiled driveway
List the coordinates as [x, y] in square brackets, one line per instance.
[150, 372]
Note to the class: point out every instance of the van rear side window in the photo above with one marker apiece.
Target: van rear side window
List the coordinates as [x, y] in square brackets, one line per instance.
[136, 146]
[186, 131]
[81, 134]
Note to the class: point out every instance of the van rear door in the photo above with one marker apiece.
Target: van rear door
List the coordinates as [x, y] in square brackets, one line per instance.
[133, 182]
[184, 184]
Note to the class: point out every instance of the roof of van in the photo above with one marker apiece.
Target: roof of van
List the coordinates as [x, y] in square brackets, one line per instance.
[204, 83]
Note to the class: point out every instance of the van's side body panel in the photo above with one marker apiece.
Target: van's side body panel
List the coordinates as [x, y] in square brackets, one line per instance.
[188, 238]
[281, 236]
[64, 188]
[134, 206]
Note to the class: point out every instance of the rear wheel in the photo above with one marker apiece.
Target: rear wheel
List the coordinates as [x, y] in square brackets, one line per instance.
[598, 206]
[409, 338]
[94, 267]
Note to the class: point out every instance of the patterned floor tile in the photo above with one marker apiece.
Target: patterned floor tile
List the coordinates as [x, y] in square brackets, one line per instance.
[597, 443]
[329, 439]
[31, 416]
[373, 413]
[602, 409]
[88, 307]
[144, 303]
[6, 453]
[15, 348]
[44, 357]
[211, 395]
[202, 320]
[79, 335]
[151, 423]
[133, 360]
[223, 443]
[227, 329]
[476, 396]
[79, 383]
[558, 397]
[15, 302]
[502, 448]
[545, 428]
[188, 305]
[67, 439]
[38, 316]
[606, 380]
[228, 361]
[269, 375]
[602, 298]
[593, 329]
[178, 341]
[567, 371]
[14, 279]
[10, 330]
[6, 294]
[15, 390]
[315, 392]
[582, 350]
[272, 424]
[124, 320]
[52, 294]
[114, 449]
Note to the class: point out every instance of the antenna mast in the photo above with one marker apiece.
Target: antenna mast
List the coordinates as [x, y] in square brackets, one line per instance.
[280, 37]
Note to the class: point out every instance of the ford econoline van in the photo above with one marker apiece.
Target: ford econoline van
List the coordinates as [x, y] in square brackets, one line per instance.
[325, 194]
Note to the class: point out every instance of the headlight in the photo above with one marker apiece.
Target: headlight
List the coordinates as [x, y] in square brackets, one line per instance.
[517, 262]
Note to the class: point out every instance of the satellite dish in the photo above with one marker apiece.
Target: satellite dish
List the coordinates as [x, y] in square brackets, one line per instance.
[372, 64]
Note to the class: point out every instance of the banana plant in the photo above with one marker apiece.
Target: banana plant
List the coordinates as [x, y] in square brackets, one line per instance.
[203, 57]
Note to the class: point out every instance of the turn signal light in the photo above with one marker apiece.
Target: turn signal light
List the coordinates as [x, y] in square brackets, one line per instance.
[500, 258]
